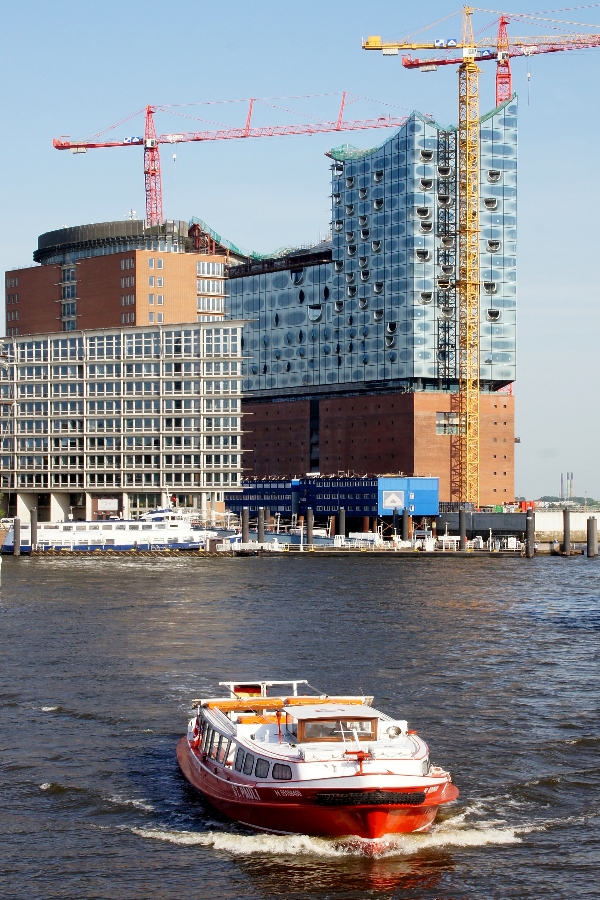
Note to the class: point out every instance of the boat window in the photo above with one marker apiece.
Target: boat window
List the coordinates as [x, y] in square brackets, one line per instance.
[173, 526]
[107, 528]
[134, 527]
[120, 527]
[261, 770]
[223, 750]
[207, 739]
[94, 528]
[230, 754]
[291, 725]
[70, 528]
[239, 759]
[215, 744]
[248, 764]
[281, 772]
[159, 526]
[336, 730]
[146, 527]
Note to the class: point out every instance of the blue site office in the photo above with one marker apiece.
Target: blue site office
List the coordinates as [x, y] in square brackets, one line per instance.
[326, 495]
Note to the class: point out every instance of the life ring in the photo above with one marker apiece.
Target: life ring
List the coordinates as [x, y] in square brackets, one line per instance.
[195, 742]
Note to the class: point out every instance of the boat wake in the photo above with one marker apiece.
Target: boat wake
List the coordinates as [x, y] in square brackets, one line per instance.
[447, 834]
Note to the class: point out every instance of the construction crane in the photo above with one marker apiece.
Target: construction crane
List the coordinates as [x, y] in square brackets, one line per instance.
[151, 142]
[465, 451]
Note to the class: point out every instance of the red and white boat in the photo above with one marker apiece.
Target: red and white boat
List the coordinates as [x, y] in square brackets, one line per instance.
[317, 765]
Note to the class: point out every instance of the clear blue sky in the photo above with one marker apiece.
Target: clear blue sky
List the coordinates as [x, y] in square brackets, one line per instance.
[76, 67]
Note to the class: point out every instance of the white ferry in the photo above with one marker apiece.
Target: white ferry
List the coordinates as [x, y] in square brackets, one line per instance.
[166, 532]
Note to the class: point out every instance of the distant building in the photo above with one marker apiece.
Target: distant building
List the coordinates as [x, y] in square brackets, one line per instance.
[115, 421]
[359, 497]
[118, 273]
[352, 344]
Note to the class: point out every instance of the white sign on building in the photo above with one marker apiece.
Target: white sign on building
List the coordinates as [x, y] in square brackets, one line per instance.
[108, 504]
[393, 500]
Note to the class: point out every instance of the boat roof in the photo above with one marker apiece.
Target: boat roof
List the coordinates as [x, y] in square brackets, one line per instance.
[330, 711]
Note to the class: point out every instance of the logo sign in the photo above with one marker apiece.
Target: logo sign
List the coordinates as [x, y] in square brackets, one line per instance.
[440, 42]
[451, 42]
[393, 500]
[108, 504]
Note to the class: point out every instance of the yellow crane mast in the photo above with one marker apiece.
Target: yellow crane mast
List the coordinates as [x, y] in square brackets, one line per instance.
[465, 465]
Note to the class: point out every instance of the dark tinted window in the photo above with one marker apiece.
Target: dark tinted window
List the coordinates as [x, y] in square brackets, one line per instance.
[248, 764]
[239, 759]
[262, 768]
[281, 772]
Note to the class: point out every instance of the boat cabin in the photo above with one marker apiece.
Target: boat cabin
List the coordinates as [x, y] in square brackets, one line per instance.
[330, 723]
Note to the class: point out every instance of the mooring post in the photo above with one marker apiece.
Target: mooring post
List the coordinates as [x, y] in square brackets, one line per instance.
[310, 520]
[462, 529]
[261, 525]
[567, 531]
[17, 536]
[245, 524]
[342, 521]
[33, 528]
[592, 536]
[530, 534]
[405, 524]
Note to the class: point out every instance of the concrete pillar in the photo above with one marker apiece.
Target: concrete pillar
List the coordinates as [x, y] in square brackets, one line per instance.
[213, 507]
[567, 532]
[33, 528]
[405, 525]
[260, 525]
[592, 536]
[366, 525]
[88, 507]
[59, 507]
[125, 505]
[462, 529]
[530, 534]
[342, 521]
[203, 506]
[310, 521]
[25, 503]
[17, 533]
[245, 524]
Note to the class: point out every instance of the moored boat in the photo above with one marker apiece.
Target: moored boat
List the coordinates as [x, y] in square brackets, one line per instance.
[317, 765]
[162, 533]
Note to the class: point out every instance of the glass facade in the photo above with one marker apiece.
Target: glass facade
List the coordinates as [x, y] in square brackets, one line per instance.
[377, 305]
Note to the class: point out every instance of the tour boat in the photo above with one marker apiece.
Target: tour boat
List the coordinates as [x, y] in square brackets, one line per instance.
[316, 765]
[160, 533]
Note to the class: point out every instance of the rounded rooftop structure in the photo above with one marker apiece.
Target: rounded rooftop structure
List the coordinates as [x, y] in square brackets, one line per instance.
[66, 245]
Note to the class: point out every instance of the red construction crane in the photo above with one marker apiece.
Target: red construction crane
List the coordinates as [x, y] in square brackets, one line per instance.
[503, 49]
[151, 143]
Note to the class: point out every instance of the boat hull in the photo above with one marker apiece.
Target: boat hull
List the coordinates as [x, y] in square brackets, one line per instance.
[294, 809]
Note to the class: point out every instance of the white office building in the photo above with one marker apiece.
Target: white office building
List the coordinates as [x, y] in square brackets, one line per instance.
[116, 421]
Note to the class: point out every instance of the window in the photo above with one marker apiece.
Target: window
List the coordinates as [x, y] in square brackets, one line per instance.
[281, 772]
[151, 299]
[490, 203]
[261, 770]
[160, 263]
[239, 759]
[159, 318]
[248, 764]
[378, 176]
[446, 423]
[160, 299]
[336, 730]
[151, 281]
[159, 282]
[151, 263]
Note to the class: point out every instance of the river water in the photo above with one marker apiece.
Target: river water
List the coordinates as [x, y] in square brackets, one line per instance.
[494, 660]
